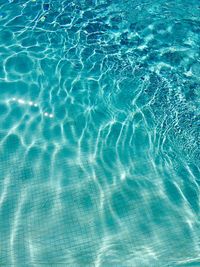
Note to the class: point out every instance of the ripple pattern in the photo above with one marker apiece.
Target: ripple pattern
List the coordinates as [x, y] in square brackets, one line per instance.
[99, 133]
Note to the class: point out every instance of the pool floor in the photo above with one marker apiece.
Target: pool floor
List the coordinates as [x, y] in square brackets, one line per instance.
[99, 133]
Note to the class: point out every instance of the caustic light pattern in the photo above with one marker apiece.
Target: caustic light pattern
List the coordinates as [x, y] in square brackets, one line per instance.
[99, 133]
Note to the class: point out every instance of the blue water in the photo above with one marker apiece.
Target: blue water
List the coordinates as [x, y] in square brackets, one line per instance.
[99, 133]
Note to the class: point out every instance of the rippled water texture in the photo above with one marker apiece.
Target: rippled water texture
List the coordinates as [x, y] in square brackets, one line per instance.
[99, 133]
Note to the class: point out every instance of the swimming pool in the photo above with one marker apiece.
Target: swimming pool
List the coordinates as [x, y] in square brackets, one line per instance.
[99, 133]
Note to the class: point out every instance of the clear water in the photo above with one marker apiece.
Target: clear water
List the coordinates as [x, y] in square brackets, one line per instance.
[99, 133]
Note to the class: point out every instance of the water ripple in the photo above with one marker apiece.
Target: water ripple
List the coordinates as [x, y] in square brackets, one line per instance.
[99, 135]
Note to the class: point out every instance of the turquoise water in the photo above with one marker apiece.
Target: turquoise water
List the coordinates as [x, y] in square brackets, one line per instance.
[99, 133]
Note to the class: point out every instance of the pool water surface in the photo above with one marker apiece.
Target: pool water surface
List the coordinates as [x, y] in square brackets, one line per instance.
[99, 133]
